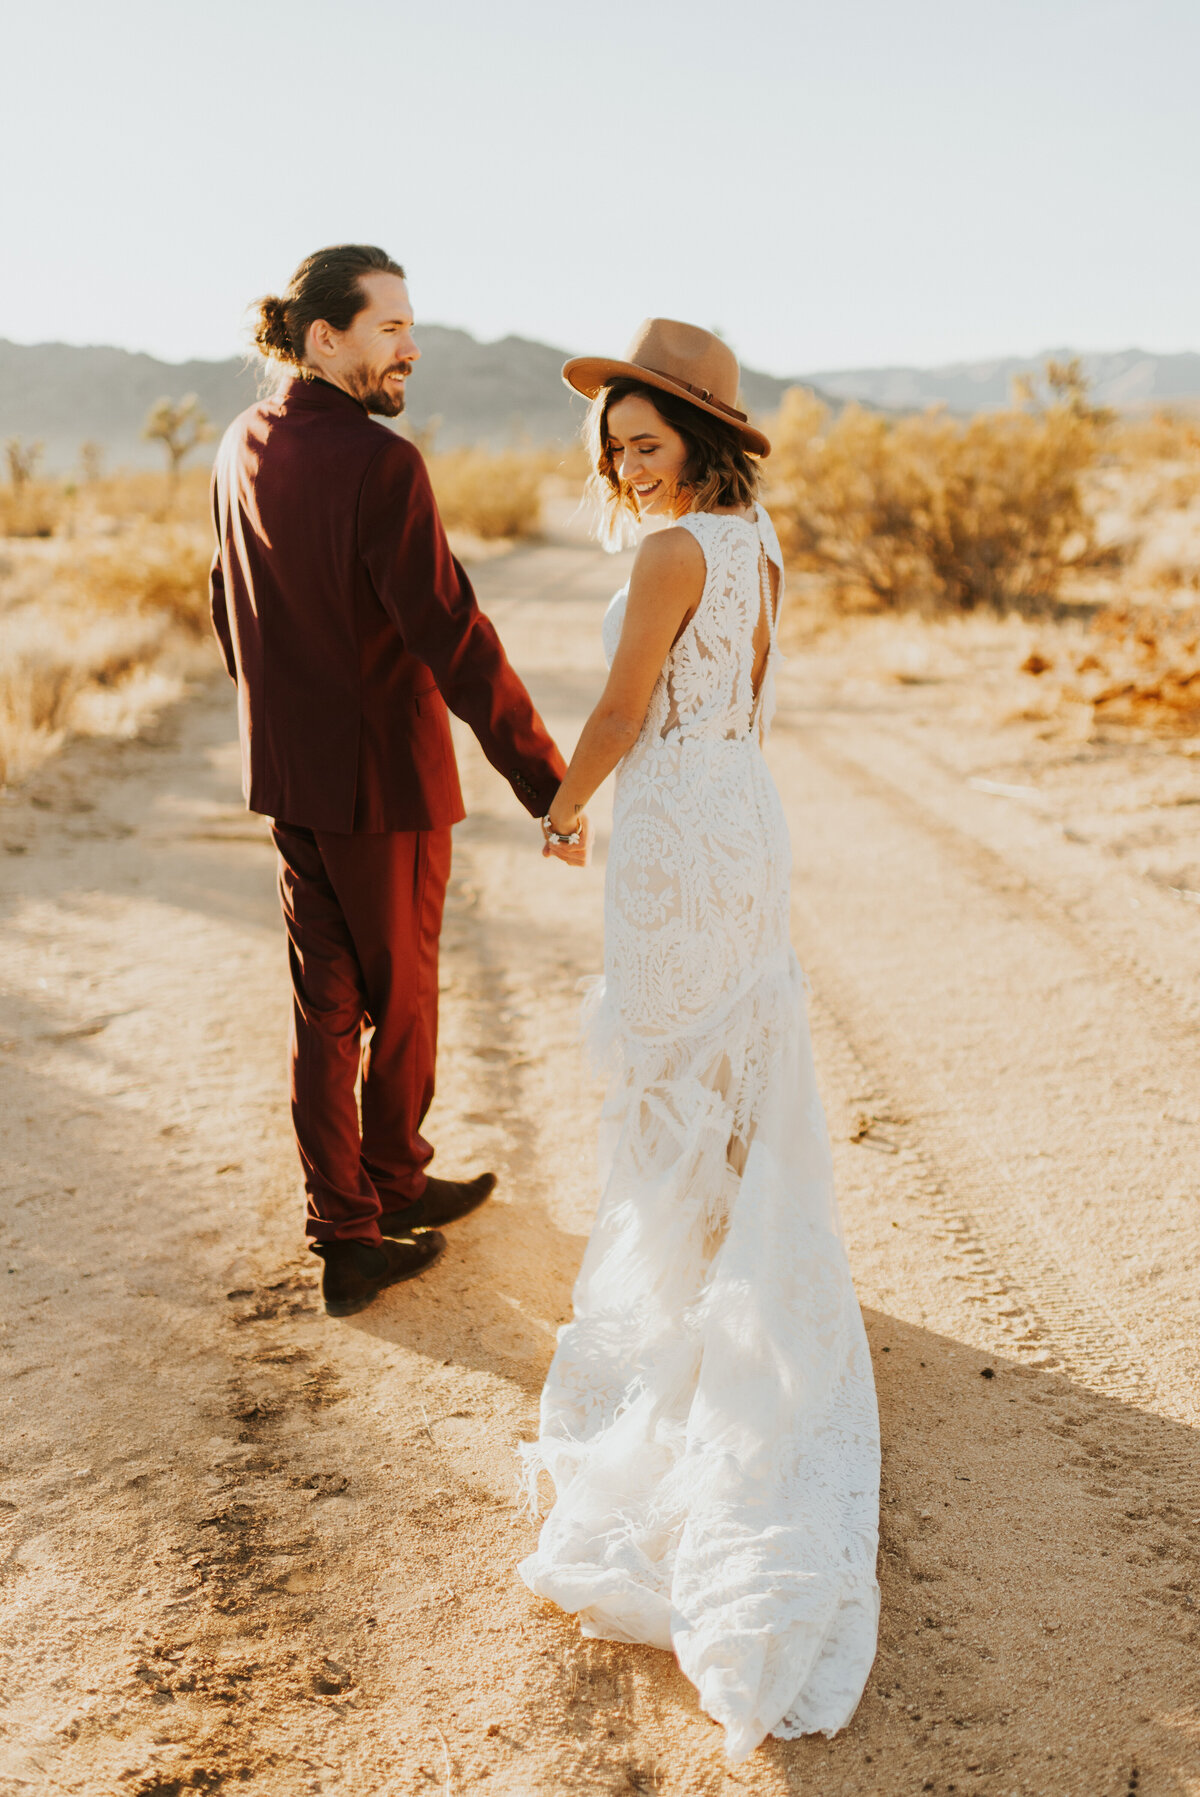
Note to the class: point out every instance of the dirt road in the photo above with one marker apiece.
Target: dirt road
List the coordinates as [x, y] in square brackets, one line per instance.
[249, 1548]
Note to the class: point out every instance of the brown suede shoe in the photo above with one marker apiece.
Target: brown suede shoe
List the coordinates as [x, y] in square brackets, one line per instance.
[442, 1201]
[356, 1272]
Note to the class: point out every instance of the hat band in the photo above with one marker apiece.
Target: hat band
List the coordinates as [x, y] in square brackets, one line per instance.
[710, 399]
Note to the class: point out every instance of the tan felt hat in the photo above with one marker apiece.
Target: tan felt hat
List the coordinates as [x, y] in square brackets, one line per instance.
[676, 358]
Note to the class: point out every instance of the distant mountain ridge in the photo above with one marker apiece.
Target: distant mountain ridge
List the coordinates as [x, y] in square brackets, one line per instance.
[63, 395]
[1124, 379]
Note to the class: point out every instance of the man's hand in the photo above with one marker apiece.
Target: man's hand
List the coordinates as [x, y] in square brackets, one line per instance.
[575, 854]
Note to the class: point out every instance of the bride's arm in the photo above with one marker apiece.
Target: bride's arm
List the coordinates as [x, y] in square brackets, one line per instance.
[665, 588]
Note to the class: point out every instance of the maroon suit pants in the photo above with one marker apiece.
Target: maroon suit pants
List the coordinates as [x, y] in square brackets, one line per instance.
[363, 916]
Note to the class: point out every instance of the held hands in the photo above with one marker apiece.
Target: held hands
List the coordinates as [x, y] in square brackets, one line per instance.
[575, 854]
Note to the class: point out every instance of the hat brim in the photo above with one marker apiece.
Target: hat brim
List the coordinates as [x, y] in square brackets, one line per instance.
[588, 374]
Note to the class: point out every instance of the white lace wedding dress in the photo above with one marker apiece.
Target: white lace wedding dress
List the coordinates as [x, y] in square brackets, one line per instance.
[709, 1418]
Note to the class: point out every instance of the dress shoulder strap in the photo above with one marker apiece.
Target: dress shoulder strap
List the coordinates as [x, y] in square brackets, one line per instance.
[770, 541]
[698, 525]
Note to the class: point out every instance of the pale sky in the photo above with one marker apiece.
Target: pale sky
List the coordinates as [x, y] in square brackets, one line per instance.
[829, 182]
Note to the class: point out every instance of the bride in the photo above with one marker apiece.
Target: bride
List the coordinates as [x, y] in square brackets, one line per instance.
[709, 1418]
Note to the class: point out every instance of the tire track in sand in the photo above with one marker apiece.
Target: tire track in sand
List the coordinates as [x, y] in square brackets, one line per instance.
[977, 1000]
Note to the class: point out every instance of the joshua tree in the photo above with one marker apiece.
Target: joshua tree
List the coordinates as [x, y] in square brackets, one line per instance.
[23, 459]
[1068, 386]
[91, 461]
[179, 425]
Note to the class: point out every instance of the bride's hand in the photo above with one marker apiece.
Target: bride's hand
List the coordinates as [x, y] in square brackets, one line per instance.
[575, 854]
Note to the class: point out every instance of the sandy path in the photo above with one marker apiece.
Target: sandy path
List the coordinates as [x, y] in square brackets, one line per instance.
[249, 1548]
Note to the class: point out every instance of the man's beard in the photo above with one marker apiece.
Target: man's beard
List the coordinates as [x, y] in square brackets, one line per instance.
[368, 388]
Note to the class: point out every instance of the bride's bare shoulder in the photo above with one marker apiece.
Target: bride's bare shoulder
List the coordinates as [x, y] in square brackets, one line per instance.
[673, 552]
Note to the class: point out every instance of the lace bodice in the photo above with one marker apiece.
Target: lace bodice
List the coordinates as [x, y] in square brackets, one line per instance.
[697, 899]
[706, 687]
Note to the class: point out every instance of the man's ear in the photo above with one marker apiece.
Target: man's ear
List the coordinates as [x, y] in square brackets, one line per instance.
[322, 338]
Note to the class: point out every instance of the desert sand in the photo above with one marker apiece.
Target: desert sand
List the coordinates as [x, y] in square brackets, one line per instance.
[251, 1548]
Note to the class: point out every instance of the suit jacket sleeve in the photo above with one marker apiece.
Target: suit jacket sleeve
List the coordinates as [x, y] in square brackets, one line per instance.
[427, 595]
[216, 597]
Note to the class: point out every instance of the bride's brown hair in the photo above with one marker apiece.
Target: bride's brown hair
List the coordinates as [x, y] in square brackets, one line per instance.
[718, 471]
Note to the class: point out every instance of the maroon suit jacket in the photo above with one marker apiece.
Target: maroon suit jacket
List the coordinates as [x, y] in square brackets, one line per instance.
[349, 627]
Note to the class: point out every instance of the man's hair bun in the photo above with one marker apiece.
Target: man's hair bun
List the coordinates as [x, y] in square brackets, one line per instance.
[328, 285]
[271, 334]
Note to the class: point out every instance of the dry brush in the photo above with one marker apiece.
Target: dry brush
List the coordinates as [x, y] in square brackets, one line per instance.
[934, 511]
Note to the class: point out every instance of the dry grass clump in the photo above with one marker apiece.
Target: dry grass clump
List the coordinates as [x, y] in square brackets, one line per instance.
[1156, 466]
[154, 570]
[934, 511]
[489, 495]
[105, 504]
[35, 508]
[1163, 436]
[47, 663]
[144, 494]
[96, 621]
[1139, 666]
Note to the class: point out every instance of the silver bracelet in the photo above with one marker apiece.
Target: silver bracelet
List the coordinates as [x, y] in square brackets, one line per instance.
[563, 841]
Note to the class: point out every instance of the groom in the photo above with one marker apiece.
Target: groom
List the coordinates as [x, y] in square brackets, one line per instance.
[349, 627]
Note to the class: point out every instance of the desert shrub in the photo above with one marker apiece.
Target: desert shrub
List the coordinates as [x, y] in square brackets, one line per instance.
[486, 494]
[143, 494]
[1159, 460]
[45, 665]
[1139, 665]
[933, 510]
[87, 621]
[32, 508]
[154, 569]
[1164, 436]
[51, 508]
